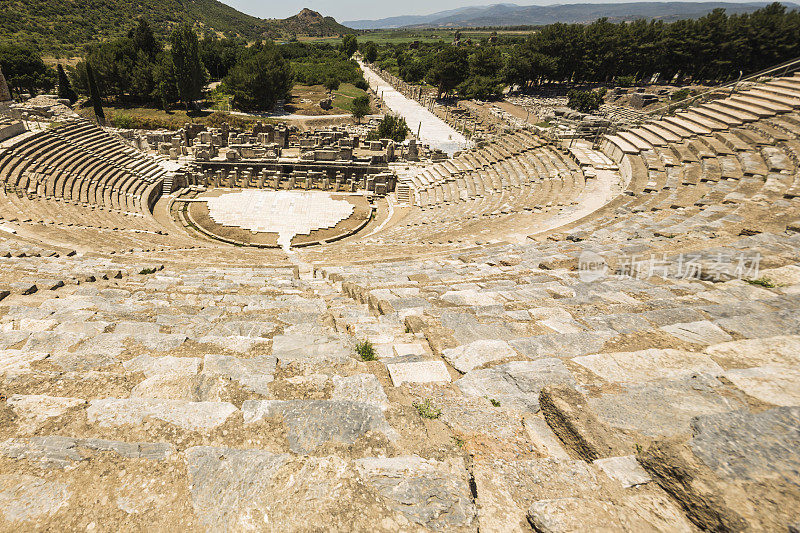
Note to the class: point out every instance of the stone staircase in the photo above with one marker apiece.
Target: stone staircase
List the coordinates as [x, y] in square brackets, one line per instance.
[166, 186]
[404, 193]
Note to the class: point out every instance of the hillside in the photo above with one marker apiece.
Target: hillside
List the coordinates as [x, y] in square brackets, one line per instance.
[513, 15]
[66, 25]
[309, 22]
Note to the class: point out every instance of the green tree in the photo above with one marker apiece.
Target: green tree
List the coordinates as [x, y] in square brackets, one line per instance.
[349, 45]
[391, 127]
[481, 88]
[143, 39]
[361, 107]
[141, 76]
[331, 84]
[165, 84]
[94, 92]
[220, 55]
[585, 101]
[124, 67]
[486, 61]
[370, 51]
[258, 81]
[189, 71]
[449, 69]
[24, 69]
[65, 87]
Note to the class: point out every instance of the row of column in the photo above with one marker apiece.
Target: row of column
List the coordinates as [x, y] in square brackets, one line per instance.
[467, 125]
[295, 180]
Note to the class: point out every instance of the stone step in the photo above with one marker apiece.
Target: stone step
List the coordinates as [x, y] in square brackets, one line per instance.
[569, 495]
[733, 457]
[736, 113]
[717, 116]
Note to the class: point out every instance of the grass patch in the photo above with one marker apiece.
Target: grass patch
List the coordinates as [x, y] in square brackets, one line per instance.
[762, 282]
[344, 95]
[426, 409]
[343, 102]
[366, 351]
[495, 403]
[348, 89]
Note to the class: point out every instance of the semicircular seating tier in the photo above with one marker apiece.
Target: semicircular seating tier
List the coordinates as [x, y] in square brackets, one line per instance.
[727, 166]
[83, 164]
[566, 382]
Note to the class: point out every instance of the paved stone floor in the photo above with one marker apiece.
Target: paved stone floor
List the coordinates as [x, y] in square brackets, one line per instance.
[434, 131]
[287, 213]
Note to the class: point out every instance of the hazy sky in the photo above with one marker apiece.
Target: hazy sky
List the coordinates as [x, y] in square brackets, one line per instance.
[371, 9]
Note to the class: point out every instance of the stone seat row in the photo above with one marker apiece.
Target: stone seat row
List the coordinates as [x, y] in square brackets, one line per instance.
[102, 385]
[107, 146]
[514, 324]
[50, 211]
[49, 165]
[707, 180]
[189, 382]
[763, 101]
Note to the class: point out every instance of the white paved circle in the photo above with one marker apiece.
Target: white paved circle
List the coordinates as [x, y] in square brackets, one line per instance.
[287, 213]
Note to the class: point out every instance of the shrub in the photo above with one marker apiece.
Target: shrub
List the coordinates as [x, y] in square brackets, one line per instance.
[679, 95]
[426, 409]
[366, 351]
[391, 127]
[218, 119]
[361, 84]
[762, 282]
[585, 101]
[481, 88]
[133, 122]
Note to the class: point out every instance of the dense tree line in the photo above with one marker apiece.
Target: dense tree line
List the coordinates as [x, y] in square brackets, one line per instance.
[710, 49]
[259, 79]
[24, 70]
[140, 68]
[316, 63]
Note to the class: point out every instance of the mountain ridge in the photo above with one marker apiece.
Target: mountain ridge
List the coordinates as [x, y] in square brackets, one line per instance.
[506, 14]
[56, 25]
